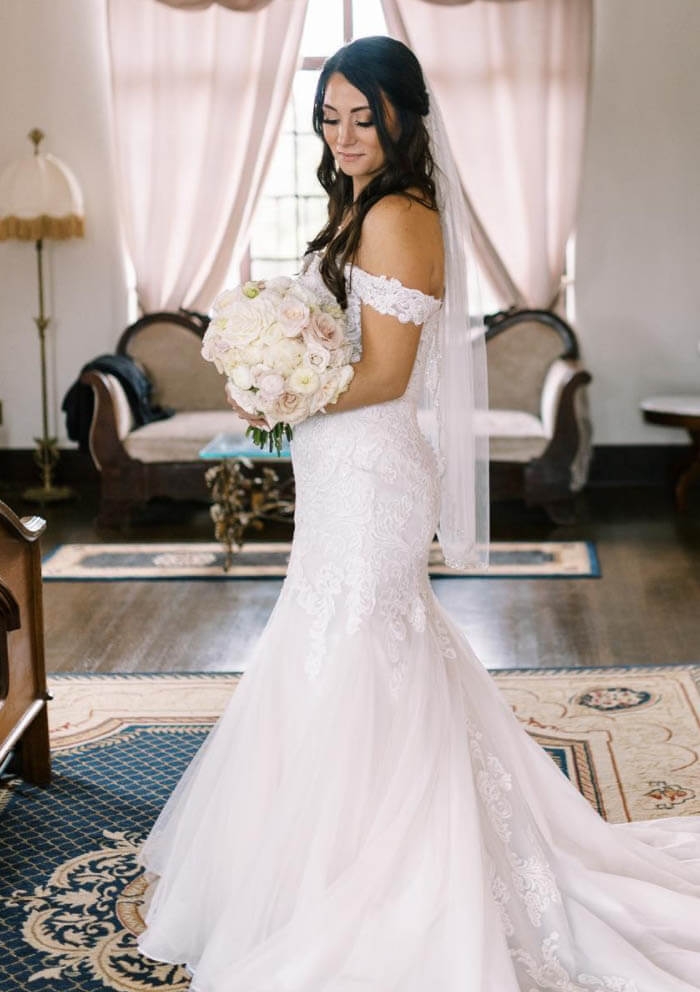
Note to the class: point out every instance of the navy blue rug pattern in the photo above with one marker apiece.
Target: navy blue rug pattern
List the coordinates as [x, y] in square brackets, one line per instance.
[259, 560]
[70, 885]
[69, 882]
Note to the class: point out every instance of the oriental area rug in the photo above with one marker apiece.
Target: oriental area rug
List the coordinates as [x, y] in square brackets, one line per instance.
[70, 888]
[257, 560]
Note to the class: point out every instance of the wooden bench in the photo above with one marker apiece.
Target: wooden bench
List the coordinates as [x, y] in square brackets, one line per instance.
[24, 730]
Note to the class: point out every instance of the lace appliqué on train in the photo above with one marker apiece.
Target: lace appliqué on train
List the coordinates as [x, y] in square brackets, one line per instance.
[551, 975]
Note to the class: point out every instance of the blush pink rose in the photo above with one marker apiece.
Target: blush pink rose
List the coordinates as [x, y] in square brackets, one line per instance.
[322, 329]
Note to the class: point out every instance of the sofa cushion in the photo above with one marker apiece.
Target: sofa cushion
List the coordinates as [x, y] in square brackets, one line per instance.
[514, 436]
[180, 438]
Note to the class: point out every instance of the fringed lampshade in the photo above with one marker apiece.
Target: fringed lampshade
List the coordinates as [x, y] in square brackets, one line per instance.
[40, 198]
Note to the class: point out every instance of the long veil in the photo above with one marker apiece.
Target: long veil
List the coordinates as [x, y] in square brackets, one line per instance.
[455, 400]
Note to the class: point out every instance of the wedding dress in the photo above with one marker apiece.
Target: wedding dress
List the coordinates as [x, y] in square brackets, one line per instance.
[368, 815]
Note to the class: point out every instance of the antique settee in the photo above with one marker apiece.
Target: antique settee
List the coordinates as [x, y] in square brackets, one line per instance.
[160, 459]
[539, 434]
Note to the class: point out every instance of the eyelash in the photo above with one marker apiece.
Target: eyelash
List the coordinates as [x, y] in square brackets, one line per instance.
[333, 122]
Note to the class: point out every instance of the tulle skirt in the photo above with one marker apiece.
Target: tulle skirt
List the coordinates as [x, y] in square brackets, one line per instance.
[356, 839]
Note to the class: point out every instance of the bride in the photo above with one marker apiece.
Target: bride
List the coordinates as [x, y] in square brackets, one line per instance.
[368, 815]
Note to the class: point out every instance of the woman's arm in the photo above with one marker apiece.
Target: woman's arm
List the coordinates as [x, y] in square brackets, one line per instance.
[401, 239]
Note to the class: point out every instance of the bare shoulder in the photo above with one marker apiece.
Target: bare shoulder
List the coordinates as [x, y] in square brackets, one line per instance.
[402, 238]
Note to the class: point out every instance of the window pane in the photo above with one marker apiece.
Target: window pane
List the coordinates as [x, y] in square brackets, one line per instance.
[304, 91]
[323, 28]
[308, 158]
[280, 177]
[274, 233]
[367, 18]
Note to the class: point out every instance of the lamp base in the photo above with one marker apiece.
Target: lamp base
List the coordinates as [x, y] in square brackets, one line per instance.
[48, 494]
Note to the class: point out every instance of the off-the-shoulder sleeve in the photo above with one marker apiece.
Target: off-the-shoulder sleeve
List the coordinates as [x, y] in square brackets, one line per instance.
[391, 297]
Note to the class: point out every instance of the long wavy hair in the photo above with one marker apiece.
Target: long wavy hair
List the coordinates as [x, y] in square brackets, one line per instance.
[382, 69]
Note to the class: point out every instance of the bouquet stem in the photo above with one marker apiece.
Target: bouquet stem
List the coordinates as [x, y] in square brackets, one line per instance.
[272, 439]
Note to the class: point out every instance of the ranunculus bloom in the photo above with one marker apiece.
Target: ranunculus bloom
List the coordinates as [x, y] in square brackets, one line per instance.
[303, 380]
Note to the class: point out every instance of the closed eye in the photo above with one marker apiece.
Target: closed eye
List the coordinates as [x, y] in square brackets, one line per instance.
[334, 121]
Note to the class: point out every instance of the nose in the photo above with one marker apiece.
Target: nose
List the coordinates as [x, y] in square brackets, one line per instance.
[346, 134]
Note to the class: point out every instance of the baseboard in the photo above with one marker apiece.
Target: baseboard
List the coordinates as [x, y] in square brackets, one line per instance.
[636, 464]
[18, 469]
[612, 465]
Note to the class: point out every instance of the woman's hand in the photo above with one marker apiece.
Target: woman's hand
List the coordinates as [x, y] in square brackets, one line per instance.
[251, 418]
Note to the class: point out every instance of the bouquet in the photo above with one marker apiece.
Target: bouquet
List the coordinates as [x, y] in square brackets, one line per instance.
[283, 351]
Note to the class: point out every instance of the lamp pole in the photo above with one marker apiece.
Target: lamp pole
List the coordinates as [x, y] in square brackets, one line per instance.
[46, 454]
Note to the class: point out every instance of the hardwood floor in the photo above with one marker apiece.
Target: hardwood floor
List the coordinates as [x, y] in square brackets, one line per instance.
[644, 610]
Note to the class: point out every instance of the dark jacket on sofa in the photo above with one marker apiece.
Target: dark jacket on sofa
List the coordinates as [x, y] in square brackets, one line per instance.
[78, 403]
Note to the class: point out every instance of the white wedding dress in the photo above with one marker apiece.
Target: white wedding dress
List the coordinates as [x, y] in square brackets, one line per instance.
[368, 815]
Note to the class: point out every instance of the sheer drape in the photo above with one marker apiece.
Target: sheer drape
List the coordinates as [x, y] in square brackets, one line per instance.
[198, 101]
[512, 80]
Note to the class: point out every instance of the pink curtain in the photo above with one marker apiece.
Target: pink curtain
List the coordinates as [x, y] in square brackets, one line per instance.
[512, 81]
[198, 100]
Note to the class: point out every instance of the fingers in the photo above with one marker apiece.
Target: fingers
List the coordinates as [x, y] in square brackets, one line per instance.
[251, 418]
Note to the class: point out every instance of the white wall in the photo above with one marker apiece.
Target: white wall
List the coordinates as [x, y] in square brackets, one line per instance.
[638, 245]
[53, 75]
[638, 285]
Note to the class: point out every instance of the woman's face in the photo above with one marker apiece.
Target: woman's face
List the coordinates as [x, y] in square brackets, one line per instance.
[350, 132]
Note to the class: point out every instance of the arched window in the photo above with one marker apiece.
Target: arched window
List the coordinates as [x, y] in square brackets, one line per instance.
[292, 207]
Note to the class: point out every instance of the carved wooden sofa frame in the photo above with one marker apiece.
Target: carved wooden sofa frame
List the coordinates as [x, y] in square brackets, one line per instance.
[537, 383]
[159, 459]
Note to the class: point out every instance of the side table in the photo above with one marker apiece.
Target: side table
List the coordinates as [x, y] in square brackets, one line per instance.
[245, 493]
[679, 411]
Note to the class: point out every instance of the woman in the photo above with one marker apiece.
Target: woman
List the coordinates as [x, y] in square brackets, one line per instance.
[368, 814]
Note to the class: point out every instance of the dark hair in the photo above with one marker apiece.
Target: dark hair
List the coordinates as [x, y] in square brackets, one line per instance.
[380, 67]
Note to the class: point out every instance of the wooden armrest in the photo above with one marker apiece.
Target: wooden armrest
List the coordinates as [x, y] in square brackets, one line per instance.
[560, 375]
[109, 425]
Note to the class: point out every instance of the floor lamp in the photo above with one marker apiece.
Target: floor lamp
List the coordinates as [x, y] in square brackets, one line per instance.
[40, 198]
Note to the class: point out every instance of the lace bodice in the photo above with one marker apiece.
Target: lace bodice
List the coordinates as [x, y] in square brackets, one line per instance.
[385, 295]
[367, 494]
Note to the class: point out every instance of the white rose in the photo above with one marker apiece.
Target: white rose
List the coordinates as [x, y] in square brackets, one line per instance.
[214, 348]
[271, 385]
[229, 297]
[285, 356]
[279, 284]
[248, 320]
[253, 354]
[293, 315]
[242, 377]
[289, 408]
[333, 384]
[317, 358]
[244, 398]
[304, 381]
